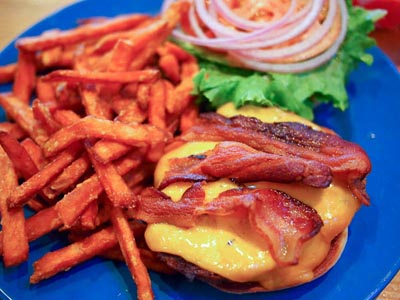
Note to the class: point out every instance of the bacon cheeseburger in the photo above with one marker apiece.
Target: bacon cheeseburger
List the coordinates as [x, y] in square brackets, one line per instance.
[246, 205]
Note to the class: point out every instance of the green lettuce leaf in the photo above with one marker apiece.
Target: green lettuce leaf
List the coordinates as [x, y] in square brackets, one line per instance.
[218, 83]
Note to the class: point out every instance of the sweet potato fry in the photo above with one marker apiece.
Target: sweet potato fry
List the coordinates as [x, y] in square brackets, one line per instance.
[22, 114]
[94, 104]
[114, 185]
[24, 81]
[141, 35]
[147, 55]
[73, 76]
[182, 96]
[79, 34]
[35, 152]
[67, 96]
[174, 12]
[74, 203]
[157, 37]
[42, 223]
[58, 57]
[122, 55]
[51, 56]
[13, 129]
[131, 113]
[39, 224]
[169, 97]
[121, 58]
[91, 127]
[7, 73]
[108, 42]
[143, 95]
[34, 184]
[106, 151]
[20, 158]
[128, 91]
[189, 117]
[131, 253]
[178, 52]
[15, 241]
[156, 107]
[179, 97]
[170, 67]
[22, 162]
[141, 40]
[45, 90]
[73, 254]
[89, 216]
[70, 175]
[42, 114]
[66, 117]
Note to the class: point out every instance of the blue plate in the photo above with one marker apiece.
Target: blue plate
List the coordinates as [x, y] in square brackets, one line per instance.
[372, 255]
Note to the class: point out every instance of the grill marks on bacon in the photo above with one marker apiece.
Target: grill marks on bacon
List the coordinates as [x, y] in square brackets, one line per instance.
[242, 163]
[347, 160]
[282, 221]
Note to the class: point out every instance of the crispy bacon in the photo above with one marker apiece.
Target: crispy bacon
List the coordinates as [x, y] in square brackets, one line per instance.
[282, 221]
[155, 207]
[245, 164]
[347, 160]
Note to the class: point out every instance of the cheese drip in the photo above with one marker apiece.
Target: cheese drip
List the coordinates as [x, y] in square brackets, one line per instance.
[227, 245]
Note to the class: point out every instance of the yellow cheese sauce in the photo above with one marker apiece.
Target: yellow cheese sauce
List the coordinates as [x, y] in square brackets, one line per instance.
[227, 246]
[223, 245]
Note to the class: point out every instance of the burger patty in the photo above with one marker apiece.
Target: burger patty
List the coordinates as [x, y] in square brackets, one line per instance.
[193, 272]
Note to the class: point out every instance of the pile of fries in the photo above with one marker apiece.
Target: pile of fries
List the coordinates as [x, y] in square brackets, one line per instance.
[90, 113]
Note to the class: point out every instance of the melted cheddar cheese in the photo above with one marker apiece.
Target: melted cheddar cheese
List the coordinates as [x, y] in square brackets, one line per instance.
[227, 246]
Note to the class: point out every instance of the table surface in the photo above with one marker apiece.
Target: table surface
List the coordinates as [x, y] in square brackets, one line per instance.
[17, 15]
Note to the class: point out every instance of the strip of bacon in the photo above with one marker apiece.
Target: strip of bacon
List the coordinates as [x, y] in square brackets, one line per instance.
[154, 206]
[242, 163]
[347, 160]
[282, 221]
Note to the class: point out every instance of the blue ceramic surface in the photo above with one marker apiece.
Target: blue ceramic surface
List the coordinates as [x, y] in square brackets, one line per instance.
[372, 255]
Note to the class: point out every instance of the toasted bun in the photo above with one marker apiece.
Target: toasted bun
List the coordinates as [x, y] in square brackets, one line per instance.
[193, 272]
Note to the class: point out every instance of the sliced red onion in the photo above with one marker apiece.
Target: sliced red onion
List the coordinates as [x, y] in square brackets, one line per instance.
[250, 40]
[195, 24]
[245, 24]
[212, 22]
[260, 38]
[284, 52]
[304, 65]
[246, 46]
